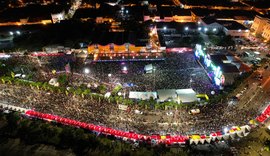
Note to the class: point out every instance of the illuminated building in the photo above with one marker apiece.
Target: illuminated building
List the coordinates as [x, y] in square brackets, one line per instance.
[121, 46]
[169, 14]
[221, 69]
[261, 26]
[57, 17]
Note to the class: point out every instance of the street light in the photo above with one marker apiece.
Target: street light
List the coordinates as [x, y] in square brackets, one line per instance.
[164, 28]
[215, 29]
[11, 33]
[186, 28]
[199, 28]
[225, 130]
[18, 32]
[205, 29]
[86, 71]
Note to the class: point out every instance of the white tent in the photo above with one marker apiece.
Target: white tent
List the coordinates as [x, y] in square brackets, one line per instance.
[186, 95]
[219, 137]
[240, 133]
[166, 94]
[122, 107]
[202, 141]
[54, 82]
[208, 140]
[213, 138]
[226, 136]
[191, 141]
[148, 68]
[233, 135]
[142, 95]
[107, 95]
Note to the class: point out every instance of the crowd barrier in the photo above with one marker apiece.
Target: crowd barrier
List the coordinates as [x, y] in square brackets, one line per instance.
[264, 115]
[227, 134]
[47, 54]
[13, 108]
[232, 133]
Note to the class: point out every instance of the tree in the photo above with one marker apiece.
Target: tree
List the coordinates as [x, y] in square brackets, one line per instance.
[62, 80]
[66, 137]
[102, 89]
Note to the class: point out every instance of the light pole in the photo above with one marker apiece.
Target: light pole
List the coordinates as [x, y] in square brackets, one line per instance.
[109, 76]
[86, 71]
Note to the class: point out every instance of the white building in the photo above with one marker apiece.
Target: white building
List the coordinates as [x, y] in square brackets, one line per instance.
[57, 17]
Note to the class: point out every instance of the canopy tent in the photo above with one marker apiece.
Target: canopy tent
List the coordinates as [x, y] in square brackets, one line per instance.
[226, 136]
[186, 95]
[148, 68]
[54, 82]
[142, 95]
[233, 133]
[166, 94]
[179, 95]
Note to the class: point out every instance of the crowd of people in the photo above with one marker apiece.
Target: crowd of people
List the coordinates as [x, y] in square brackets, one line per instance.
[177, 71]
[211, 118]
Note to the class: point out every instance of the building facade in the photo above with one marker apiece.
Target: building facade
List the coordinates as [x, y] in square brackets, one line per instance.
[261, 26]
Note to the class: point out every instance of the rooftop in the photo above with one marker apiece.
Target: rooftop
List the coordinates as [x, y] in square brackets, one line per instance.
[232, 25]
[33, 12]
[225, 67]
[118, 38]
[233, 14]
[177, 25]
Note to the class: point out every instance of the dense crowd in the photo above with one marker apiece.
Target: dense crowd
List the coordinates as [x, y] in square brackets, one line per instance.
[177, 71]
[211, 118]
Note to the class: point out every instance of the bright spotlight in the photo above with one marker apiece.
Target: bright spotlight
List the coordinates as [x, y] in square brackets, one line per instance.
[18, 32]
[86, 71]
[205, 29]
[186, 28]
[199, 28]
[214, 29]
[125, 68]
[11, 33]
[225, 130]
[165, 28]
